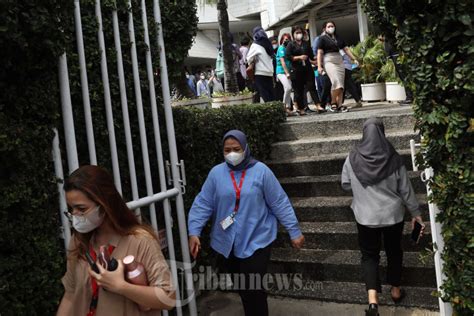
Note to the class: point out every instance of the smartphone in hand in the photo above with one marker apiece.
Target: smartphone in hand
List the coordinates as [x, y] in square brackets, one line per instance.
[416, 233]
[92, 263]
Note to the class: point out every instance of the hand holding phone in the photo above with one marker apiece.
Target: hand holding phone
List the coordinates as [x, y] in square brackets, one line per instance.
[92, 263]
[418, 229]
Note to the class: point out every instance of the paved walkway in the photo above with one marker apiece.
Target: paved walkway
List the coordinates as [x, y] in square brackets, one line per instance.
[228, 304]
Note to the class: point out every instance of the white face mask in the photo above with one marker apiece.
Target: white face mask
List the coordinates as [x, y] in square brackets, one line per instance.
[202, 77]
[275, 46]
[331, 30]
[234, 158]
[299, 36]
[89, 222]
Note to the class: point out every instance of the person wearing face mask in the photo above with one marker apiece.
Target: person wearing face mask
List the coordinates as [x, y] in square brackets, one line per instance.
[302, 74]
[101, 217]
[203, 86]
[278, 86]
[330, 60]
[245, 201]
[261, 56]
[283, 72]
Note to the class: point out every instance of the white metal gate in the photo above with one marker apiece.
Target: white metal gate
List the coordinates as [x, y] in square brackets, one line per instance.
[445, 308]
[177, 168]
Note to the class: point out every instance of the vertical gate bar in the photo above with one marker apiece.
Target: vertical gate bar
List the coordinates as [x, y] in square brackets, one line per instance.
[68, 119]
[174, 159]
[141, 117]
[436, 228]
[84, 84]
[125, 114]
[107, 99]
[159, 153]
[58, 169]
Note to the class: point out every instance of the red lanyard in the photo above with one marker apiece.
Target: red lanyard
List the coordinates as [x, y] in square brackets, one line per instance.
[95, 287]
[237, 189]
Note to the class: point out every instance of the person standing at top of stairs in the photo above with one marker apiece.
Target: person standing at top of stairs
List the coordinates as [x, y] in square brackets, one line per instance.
[381, 189]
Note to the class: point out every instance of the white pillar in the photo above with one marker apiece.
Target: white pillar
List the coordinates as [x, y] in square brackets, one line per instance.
[362, 21]
[313, 30]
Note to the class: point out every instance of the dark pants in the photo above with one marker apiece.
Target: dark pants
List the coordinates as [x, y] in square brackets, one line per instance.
[324, 89]
[350, 86]
[254, 300]
[402, 77]
[265, 87]
[240, 81]
[300, 80]
[278, 89]
[370, 243]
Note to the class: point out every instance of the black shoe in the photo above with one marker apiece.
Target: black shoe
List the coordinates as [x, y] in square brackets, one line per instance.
[373, 310]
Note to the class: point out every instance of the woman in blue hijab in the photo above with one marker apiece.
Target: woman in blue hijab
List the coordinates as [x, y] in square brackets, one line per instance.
[245, 201]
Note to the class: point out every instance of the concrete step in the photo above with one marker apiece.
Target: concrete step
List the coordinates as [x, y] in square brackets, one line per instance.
[337, 209]
[355, 293]
[343, 236]
[319, 165]
[344, 123]
[316, 145]
[226, 303]
[345, 266]
[312, 186]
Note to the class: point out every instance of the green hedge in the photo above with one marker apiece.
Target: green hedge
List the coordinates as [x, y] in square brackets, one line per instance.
[437, 39]
[32, 36]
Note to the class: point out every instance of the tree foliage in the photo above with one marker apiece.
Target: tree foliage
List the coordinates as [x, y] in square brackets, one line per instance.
[437, 39]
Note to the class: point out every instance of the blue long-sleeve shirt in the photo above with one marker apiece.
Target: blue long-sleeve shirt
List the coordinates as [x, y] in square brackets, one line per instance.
[263, 201]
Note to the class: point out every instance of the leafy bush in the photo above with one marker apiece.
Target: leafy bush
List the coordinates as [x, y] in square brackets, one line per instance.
[371, 56]
[32, 36]
[437, 38]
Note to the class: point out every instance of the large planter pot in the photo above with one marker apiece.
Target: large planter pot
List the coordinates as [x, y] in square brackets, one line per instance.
[200, 103]
[395, 91]
[231, 100]
[373, 91]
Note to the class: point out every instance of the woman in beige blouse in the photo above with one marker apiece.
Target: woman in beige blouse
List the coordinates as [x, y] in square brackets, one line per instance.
[101, 217]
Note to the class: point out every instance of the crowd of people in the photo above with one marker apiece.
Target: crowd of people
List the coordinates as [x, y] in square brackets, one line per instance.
[290, 69]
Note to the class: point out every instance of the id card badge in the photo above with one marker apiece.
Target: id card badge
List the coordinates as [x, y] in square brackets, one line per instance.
[225, 223]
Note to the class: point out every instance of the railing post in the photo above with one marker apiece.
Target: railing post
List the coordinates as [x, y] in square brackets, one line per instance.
[183, 234]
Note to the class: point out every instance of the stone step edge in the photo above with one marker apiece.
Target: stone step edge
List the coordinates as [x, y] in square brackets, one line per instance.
[336, 201]
[343, 228]
[339, 119]
[331, 178]
[323, 157]
[341, 257]
[316, 139]
[352, 292]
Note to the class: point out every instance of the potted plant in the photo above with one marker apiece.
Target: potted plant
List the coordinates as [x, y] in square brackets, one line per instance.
[394, 90]
[225, 98]
[200, 102]
[371, 56]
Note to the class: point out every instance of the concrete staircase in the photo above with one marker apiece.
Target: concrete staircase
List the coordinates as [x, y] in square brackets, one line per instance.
[308, 161]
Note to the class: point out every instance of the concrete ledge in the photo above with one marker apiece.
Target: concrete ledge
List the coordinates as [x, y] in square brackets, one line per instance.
[229, 304]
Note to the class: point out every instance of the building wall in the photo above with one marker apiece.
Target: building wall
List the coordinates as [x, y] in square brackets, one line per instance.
[243, 8]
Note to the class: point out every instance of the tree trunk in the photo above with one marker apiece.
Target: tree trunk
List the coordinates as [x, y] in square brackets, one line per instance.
[230, 78]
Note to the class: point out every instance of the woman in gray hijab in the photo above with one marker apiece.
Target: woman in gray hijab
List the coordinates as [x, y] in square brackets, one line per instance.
[381, 189]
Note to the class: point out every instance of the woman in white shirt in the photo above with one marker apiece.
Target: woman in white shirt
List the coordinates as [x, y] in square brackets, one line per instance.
[261, 53]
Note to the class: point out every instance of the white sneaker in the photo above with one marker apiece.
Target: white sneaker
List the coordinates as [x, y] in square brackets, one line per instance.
[328, 108]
